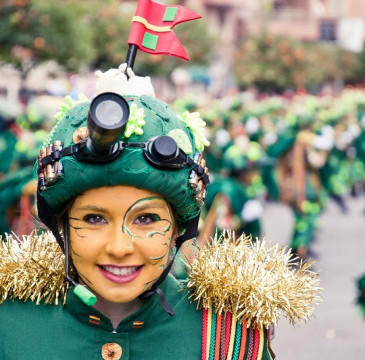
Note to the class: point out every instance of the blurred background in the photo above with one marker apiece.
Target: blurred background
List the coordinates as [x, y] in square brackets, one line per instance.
[281, 86]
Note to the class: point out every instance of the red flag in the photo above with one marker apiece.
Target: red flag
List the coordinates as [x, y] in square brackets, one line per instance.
[152, 28]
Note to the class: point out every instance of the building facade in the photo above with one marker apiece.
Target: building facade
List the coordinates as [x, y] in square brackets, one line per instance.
[339, 21]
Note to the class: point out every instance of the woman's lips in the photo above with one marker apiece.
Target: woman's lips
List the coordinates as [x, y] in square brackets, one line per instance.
[119, 274]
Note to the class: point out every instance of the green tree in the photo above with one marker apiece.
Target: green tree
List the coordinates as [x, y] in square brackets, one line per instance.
[359, 76]
[109, 23]
[89, 33]
[277, 63]
[35, 31]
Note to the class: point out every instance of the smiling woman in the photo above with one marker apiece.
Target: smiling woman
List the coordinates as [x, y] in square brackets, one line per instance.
[120, 248]
[120, 197]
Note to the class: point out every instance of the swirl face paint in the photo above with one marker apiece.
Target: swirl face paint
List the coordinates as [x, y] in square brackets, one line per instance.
[120, 240]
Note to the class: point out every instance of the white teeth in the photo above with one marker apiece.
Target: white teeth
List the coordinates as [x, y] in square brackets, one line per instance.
[124, 271]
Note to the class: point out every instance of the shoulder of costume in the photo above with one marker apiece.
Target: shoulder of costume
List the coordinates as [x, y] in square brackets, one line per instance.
[32, 268]
[243, 287]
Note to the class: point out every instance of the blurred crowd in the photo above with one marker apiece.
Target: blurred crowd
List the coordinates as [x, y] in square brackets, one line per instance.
[301, 150]
[24, 125]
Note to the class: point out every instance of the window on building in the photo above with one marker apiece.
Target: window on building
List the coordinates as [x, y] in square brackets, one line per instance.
[328, 30]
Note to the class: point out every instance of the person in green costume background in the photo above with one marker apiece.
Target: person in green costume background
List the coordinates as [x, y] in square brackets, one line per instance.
[237, 190]
[19, 146]
[9, 130]
[300, 153]
[235, 198]
[360, 282]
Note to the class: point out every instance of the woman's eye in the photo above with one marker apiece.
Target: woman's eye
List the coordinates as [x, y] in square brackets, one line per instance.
[147, 219]
[94, 219]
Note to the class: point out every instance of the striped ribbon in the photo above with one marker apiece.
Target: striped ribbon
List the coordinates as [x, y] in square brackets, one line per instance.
[228, 333]
[204, 334]
[241, 354]
[225, 338]
[218, 337]
[213, 336]
[222, 350]
[232, 337]
[237, 342]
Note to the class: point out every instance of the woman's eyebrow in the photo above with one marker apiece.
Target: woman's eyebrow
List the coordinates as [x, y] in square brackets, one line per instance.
[139, 206]
[142, 207]
[92, 208]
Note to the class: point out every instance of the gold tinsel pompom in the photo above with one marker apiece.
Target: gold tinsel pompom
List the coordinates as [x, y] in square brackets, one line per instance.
[255, 281]
[32, 268]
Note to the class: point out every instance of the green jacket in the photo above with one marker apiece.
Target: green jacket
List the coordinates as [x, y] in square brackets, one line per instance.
[77, 331]
[250, 278]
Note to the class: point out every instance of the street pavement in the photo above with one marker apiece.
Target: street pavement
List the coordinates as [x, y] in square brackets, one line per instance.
[336, 332]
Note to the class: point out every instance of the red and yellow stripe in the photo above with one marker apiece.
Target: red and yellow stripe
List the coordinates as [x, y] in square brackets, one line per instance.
[137, 324]
[94, 320]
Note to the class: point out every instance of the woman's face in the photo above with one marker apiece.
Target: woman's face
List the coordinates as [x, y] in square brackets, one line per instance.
[120, 239]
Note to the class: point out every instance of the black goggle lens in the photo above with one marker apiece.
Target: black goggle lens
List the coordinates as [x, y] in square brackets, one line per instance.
[164, 147]
[163, 152]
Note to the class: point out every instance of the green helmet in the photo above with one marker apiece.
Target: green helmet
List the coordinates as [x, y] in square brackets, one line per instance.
[150, 148]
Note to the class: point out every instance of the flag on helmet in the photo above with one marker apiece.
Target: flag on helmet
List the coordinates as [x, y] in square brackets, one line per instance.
[152, 28]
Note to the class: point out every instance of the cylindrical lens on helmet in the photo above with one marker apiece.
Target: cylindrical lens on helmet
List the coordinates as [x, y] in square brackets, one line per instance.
[109, 112]
[107, 120]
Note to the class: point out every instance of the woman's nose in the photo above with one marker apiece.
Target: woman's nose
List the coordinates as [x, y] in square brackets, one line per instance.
[120, 242]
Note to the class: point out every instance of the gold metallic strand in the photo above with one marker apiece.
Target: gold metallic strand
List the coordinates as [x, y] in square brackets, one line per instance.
[32, 267]
[257, 281]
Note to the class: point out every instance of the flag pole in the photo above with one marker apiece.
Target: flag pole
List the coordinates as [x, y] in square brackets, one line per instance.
[131, 55]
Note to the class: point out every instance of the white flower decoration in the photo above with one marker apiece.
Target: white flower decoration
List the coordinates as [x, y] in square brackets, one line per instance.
[196, 124]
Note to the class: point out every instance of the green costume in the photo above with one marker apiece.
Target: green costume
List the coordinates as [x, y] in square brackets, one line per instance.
[80, 331]
[32, 306]
[227, 197]
[7, 151]
[298, 183]
[11, 189]
[361, 295]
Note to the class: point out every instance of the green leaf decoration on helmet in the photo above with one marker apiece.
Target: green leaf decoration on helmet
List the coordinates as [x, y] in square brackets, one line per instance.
[182, 140]
[69, 104]
[196, 124]
[135, 121]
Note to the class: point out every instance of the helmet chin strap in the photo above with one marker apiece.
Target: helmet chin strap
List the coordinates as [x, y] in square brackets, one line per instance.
[190, 232]
[82, 292]
[46, 216]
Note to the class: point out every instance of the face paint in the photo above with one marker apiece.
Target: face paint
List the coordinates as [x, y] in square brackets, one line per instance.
[120, 240]
[159, 226]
